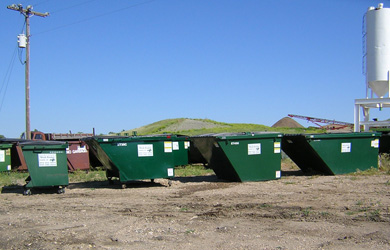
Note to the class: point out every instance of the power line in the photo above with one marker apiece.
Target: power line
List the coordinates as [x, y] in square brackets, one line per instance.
[94, 17]
[7, 78]
[27, 13]
[70, 7]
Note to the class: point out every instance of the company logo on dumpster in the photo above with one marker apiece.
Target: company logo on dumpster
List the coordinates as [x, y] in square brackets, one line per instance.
[79, 150]
[145, 150]
[254, 149]
[47, 160]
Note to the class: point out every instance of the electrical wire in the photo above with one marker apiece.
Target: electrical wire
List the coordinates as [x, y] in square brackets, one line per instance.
[95, 17]
[70, 7]
[20, 56]
[41, 3]
[7, 78]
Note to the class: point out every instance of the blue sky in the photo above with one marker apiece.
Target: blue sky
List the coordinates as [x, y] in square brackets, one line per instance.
[114, 65]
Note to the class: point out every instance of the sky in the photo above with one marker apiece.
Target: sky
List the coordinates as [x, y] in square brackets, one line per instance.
[118, 65]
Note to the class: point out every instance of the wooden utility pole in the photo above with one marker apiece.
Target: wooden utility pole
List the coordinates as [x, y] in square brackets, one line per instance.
[27, 13]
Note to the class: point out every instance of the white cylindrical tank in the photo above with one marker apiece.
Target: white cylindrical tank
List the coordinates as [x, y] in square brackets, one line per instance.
[378, 49]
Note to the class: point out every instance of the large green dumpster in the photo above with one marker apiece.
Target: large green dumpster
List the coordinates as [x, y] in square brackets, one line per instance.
[336, 153]
[47, 165]
[242, 156]
[5, 157]
[136, 157]
[180, 146]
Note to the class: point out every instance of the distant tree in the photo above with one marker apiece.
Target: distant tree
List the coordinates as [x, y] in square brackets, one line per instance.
[2, 136]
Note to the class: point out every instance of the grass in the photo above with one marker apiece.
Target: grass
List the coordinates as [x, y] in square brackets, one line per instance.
[14, 178]
[82, 176]
[192, 170]
[220, 127]
[383, 168]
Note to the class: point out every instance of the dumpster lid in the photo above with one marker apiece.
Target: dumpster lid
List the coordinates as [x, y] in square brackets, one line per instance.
[336, 135]
[243, 135]
[44, 143]
[11, 140]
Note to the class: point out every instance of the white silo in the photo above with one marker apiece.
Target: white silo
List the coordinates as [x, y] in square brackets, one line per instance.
[377, 34]
[377, 67]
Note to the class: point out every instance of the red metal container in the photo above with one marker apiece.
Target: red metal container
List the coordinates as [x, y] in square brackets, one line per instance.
[78, 155]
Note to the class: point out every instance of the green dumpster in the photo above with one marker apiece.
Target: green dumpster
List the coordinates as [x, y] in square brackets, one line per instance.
[5, 157]
[332, 154]
[136, 157]
[249, 156]
[47, 165]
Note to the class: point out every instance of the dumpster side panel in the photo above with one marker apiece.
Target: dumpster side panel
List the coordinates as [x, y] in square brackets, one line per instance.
[300, 151]
[254, 159]
[5, 157]
[180, 148]
[47, 165]
[221, 165]
[347, 155]
[137, 160]
[96, 152]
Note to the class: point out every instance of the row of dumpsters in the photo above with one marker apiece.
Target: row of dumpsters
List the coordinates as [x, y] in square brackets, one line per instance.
[240, 157]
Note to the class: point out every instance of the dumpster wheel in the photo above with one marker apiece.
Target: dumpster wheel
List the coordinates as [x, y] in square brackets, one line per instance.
[124, 185]
[27, 191]
[61, 190]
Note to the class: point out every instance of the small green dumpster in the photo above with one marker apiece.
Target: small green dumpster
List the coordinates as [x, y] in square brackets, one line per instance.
[136, 157]
[47, 165]
[248, 156]
[332, 154]
[5, 157]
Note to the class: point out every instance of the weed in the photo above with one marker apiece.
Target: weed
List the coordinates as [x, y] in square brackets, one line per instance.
[325, 214]
[368, 172]
[289, 182]
[354, 178]
[190, 231]
[363, 209]
[384, 163]
[359, 203]
[306, 212]
[374, 215]
[265, 205]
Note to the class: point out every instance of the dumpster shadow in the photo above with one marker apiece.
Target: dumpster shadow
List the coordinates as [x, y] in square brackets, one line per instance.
[114, 185]
[301, 173]
[195, 179]
[19, 189]
[13, 189]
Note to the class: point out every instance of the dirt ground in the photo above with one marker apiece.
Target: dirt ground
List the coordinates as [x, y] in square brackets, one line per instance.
[295, 212]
